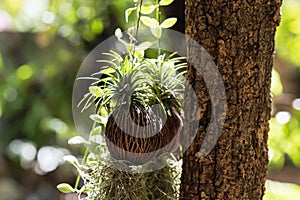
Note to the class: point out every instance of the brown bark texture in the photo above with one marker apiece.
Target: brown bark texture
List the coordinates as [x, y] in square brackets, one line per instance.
[239, 36]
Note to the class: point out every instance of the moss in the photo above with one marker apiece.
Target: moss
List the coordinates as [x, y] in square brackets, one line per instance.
[114, 180]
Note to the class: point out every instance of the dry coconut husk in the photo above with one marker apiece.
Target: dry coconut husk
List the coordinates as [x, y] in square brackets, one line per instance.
[136, 134]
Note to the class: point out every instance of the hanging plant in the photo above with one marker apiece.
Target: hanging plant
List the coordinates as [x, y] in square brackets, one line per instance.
[138, 112]
[134, 84]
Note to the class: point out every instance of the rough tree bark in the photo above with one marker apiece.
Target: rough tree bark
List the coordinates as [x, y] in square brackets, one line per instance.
[239, 36]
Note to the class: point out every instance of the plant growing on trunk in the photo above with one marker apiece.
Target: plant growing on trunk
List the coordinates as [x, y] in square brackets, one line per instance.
[138, 112]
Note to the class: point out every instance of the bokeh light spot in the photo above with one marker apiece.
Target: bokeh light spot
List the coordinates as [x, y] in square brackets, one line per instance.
[24, 72]
[65, 31]
[10, 94]
[49, 158]
[48, 17]
[34, 8]
[283, 117]
[5, 23]
[83, 12]
[58, 126]
[296, 104]
[14, 147]
[97, 26]
[28, 151]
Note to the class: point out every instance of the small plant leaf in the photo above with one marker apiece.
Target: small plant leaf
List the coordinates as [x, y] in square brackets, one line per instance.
[168, 23]
[109, 70]
[71, 159]
[118, 33]
[65, 188]
[128, 13]
[97, 130]
[148, 9]
[139, 53]
[98, 118]
[98, 139]
[77, 140]
[95, 91]
[165, 2]
[148, 21]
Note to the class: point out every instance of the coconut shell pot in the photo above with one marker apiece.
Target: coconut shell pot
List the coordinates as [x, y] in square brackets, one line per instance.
[136, 134]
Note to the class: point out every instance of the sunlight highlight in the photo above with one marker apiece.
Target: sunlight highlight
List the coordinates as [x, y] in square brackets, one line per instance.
[48, 17]
[283, 117]
[296, 104]
[24, 72]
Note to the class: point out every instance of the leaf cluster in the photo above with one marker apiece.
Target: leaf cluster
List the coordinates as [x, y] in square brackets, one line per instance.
[152, 22]
[147, 81]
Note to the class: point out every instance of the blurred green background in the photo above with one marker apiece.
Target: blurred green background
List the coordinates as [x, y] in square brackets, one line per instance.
[42, 44]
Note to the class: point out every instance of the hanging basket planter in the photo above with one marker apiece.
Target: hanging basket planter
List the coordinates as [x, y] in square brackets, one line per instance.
[133, 131]
[137, 135]
[130, 84]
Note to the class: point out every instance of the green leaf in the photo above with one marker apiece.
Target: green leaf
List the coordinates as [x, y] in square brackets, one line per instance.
[98, 139]
[168, 23]
[128, 13]
[139, 54]
[109, 70]
[99, 119]
[148, 9]
[148, 21]
[95, 91]
[118, 33]
[65, 188]
[97, 130]
[109, 62]
[165, 2]
[72, 160]
[77, 140]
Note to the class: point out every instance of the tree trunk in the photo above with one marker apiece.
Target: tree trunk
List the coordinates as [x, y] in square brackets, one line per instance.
[239, 36]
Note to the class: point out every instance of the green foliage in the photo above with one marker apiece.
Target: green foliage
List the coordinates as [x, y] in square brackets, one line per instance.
[276, 86]
[284, 140]
[75, 20]
[288, 33]
[39, 57]
[153, 22]
[284, 135]
[167, 77]
[34, 105]
[65, 188]
[124, 79]
[129, 76]
[281, 191]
